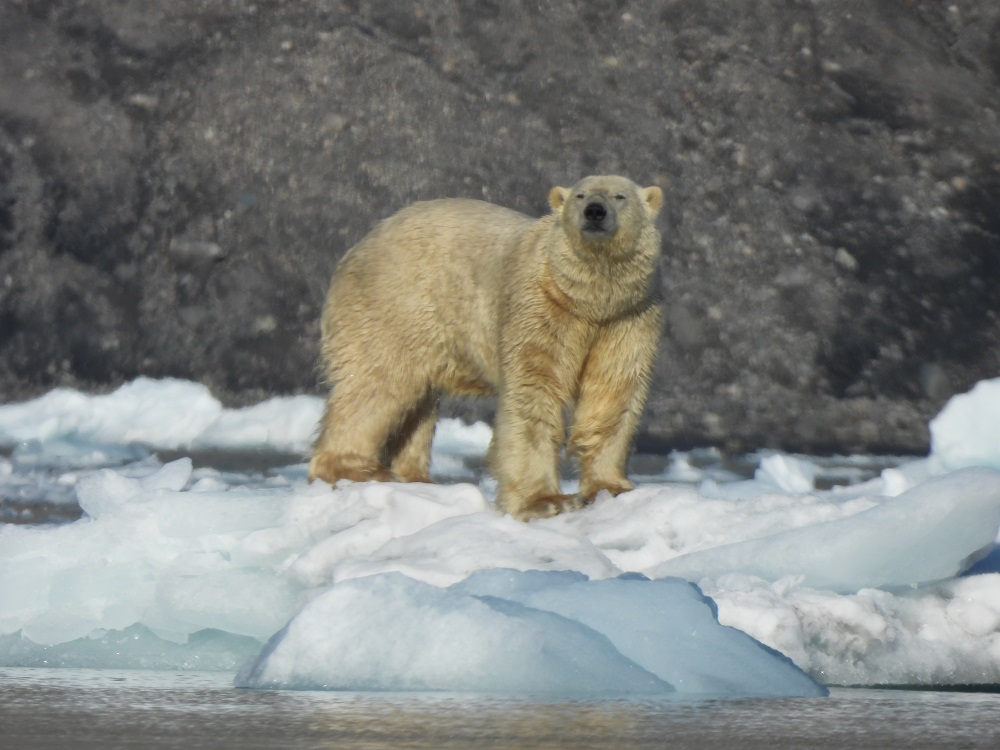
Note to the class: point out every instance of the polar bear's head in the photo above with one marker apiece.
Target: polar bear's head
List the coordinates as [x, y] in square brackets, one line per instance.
[606, 210]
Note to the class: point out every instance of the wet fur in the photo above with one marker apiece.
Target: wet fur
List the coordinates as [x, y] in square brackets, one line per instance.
[466, 297]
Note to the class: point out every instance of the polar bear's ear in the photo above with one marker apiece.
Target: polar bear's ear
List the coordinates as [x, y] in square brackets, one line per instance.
[654, 199]
[557, 196]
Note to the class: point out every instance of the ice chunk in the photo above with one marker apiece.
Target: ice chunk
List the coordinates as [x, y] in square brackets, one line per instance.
[390, 632]
[929, 533]
[135, 647]
[282, 424]
[787, 473]
[57, 454]
[162, 413]
[188, 600]
[680, 469]
[456, 438]
[898, 479]
[176, 414]
[91, 597]
[108, 489]
[516, 632]
[173, 476]
[147, 553]
[638, 530]
[941, 635]
[667, 626]
[965, 433]
[56, 414]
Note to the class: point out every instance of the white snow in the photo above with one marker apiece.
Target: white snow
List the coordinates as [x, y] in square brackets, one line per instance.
[395, 586]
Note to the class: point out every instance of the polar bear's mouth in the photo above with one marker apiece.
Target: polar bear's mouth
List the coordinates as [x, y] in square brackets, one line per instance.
[597, 228]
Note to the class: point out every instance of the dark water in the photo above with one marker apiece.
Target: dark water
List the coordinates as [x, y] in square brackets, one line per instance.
[67, 708]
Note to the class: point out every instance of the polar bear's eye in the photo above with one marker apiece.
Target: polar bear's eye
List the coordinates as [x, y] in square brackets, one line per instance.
[580, 196]
[619, 197]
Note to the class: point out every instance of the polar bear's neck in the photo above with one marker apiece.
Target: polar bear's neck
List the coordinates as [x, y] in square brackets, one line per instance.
[600, 283]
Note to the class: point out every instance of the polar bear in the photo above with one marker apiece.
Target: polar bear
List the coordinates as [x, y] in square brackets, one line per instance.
[558, 315]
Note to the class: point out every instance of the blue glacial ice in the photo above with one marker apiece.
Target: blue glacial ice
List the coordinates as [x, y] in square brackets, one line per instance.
[521, 632]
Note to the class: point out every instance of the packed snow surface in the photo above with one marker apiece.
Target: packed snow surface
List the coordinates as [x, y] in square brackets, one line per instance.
[891, 578]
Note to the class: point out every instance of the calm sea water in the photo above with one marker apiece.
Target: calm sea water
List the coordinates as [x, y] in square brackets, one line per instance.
[70, 708]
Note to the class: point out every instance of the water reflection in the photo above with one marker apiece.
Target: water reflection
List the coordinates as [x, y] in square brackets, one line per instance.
[70, 708]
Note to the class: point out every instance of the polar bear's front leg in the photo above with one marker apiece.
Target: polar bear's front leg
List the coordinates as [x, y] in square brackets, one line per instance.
[524, 456]
[541, 360]
[613, 387]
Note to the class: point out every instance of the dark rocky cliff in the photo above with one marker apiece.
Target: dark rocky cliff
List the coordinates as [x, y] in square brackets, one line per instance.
[179, 177]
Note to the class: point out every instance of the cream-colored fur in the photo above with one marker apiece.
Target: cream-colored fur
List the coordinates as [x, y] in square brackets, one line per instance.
[465, 297]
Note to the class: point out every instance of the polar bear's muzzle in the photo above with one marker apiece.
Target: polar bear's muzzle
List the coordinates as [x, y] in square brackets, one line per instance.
[599, 219]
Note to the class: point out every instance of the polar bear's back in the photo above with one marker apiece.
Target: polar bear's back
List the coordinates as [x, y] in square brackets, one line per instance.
[428, 281]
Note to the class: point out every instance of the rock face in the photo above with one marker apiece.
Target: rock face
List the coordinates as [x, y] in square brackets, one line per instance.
[179, 177]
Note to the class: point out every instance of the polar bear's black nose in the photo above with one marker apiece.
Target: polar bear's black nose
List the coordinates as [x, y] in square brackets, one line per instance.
[595, 212]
